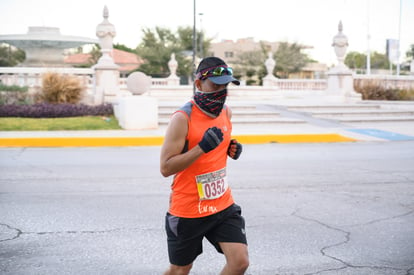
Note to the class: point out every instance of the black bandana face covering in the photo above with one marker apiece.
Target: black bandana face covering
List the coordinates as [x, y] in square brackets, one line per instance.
[211, 103]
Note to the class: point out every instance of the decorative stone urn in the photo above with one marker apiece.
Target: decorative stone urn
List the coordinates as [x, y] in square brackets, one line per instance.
[340, 44]
[172, 65]
[106, 71]
[340, 82]
[270, 64]
[412, 67]
[270, 80]
[173, 79]
[105, 31]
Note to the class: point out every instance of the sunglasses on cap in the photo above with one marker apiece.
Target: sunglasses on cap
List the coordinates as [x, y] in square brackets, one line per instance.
[215, 71]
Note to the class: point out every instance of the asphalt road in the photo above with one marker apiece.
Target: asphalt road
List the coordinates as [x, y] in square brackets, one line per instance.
[342, 208]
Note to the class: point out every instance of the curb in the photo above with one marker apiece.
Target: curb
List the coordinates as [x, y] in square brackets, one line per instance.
[158, 140]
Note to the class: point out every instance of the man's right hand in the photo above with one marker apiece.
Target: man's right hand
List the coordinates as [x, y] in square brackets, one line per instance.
[211, 139]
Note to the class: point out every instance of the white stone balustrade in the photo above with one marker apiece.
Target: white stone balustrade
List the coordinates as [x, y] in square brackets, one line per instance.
[300, 84]
[389, 81]
[32, 77]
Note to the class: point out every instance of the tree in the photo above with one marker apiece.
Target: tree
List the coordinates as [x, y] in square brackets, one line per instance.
[250, 64]
[124, 48]
[11, 56]
[155, 49]
[289, 59]
[95, 54]
[379, 61]
[355, 60]
[157, 46]
[410, 52]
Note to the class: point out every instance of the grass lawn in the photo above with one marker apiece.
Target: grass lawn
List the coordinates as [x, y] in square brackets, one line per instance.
[56, 124]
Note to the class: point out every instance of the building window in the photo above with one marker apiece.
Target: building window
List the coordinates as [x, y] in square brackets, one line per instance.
[228, 54]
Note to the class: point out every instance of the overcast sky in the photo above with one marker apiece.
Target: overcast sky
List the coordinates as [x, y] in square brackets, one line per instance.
[310, 22]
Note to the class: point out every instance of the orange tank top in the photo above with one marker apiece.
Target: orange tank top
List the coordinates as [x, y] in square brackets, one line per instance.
[202, 188]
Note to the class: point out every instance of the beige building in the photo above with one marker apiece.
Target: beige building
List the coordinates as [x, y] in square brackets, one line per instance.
[228, 50]
[311, 71]
[126, 61]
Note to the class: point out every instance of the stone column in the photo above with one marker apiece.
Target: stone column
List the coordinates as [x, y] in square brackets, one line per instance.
[269, 80]
[106, 71]
[340, 78]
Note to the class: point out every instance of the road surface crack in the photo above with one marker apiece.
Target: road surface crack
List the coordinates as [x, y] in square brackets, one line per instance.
[347, 238]
[16, 232]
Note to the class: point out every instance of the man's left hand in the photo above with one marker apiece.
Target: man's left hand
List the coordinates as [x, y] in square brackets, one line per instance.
[234, 149]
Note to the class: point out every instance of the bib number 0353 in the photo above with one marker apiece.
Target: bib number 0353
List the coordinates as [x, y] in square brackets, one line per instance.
[212, 185]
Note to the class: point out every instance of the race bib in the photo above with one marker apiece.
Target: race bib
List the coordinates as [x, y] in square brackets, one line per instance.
[212, 185]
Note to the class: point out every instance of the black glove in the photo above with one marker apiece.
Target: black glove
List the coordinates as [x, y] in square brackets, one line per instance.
[234, 145]
[211, 139]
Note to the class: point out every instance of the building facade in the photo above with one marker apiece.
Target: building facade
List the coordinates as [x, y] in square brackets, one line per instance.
[230, 52]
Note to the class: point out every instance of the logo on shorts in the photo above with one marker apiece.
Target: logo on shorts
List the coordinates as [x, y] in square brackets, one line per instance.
[243, 231]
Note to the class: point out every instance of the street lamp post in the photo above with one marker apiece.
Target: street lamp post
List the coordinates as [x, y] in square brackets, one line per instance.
[399, 40]
[194, 43]
[368, 71]
[201, 36]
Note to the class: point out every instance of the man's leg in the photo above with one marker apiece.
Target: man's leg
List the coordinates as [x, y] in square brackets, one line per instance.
[237, 258]
[178, 270]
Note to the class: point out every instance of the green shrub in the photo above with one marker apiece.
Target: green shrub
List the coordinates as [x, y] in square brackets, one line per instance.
[45, 110]
[58, 88]
[406, 94]
[250, 82]
[59, 124]
[13, 88]
[14, 95]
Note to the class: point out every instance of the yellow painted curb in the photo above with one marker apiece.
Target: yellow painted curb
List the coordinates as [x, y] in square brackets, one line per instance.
[158, 140]
[298, 138]
[80, 141]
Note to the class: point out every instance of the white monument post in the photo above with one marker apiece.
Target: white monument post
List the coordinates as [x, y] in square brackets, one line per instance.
[340, 79]
[412, 66]
[173, 79]
[269, 79]
[106, 71]
[137, 112]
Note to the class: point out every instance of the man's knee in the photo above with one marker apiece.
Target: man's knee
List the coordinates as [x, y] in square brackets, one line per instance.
[178, 270]
[240, 264]
[238, 261]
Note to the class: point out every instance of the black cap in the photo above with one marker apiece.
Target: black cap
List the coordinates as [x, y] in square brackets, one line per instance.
[212, 62]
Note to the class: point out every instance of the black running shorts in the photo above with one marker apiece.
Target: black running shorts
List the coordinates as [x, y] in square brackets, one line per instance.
[185, 235]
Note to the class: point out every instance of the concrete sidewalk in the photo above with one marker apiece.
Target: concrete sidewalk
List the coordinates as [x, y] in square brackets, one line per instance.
[247, 134]
[310, 128]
